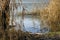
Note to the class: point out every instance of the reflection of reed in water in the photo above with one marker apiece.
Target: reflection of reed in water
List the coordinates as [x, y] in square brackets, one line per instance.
[23, 12]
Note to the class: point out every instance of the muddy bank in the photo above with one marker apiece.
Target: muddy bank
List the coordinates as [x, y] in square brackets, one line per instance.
[13, 35]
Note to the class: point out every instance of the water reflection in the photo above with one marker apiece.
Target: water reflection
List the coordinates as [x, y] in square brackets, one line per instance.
[30, 24]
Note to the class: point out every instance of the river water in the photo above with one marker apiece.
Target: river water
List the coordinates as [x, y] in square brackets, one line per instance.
[31, 23]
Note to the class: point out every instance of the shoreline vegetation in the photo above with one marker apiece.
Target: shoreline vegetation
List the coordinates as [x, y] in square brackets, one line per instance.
[20, 35]
[49, 16]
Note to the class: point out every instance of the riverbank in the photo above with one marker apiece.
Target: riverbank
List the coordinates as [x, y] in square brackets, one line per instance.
[20, 35]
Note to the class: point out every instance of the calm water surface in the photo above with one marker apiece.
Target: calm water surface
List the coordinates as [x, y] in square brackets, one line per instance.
[31, 23]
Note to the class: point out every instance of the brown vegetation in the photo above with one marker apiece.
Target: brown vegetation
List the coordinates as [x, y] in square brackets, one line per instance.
[4, 13]
[51, 15]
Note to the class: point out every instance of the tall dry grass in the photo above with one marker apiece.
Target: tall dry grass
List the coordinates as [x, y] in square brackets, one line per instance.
[51, 15]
